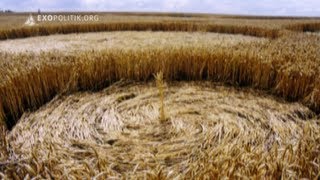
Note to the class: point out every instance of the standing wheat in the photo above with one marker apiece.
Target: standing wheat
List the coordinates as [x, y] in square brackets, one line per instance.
[160, 86]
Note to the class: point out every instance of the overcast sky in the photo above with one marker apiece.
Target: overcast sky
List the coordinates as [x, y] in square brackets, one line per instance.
[253, 7]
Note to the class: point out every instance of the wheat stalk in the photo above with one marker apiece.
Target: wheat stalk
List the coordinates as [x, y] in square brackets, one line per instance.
[160, 86]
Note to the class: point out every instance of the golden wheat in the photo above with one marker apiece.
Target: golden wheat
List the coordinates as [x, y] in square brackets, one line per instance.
[160, 84]
[275, 142]
[264, 66]
[304, 27]
[213, 132]
[136, 26]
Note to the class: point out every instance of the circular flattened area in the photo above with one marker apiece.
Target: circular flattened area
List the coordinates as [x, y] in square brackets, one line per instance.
[210, 130]
[73, 43]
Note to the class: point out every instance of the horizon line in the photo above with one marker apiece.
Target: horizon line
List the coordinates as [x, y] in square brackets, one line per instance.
[164, 13]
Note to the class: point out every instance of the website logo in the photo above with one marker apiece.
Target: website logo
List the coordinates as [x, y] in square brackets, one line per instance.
[30, 21]
[67, 18]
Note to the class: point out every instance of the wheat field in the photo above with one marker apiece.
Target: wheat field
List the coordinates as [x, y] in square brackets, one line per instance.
[161, 96]
[129, 40]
